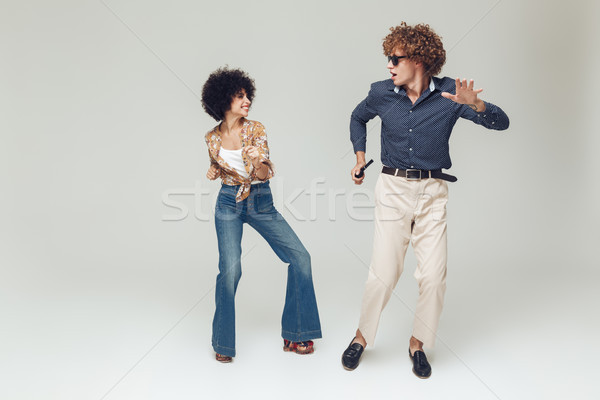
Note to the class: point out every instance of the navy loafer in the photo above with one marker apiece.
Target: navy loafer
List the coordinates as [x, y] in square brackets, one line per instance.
[351, 356]
[421, 367]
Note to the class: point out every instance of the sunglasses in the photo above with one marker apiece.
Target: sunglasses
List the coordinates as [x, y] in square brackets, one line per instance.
[396, 59]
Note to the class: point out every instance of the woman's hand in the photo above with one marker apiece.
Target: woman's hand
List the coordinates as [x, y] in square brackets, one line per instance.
[254, 156]
[213, 172]
[261, 169]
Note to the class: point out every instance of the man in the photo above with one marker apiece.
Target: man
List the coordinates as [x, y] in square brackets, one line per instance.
[418, 112]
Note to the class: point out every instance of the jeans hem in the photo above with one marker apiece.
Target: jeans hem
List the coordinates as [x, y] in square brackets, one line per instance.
[226, 351]
[301, 336]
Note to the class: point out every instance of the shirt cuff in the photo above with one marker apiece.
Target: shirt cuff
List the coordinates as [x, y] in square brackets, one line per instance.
[362, 146]
[490, 115]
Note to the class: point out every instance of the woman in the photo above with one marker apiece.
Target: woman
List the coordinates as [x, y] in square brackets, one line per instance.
[239, 155]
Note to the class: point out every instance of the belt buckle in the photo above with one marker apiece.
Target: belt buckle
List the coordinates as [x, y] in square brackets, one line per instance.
[412, 176]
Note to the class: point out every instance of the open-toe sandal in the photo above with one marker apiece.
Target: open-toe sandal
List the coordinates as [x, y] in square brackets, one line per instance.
[299, 347]
[222, 358]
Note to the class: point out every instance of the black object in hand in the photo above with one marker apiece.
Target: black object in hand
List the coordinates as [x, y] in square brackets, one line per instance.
[362, 169]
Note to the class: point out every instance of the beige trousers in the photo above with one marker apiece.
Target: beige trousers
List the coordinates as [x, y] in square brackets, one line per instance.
[407, 211]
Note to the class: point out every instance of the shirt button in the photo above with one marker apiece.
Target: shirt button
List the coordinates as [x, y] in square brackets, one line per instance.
[410, 149]
[412, 166]
[410, 130]
[410, 111]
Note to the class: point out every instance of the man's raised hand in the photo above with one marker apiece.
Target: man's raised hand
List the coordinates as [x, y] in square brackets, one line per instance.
[465, 94]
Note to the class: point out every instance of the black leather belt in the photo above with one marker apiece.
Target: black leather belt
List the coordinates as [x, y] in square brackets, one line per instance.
[418, 174]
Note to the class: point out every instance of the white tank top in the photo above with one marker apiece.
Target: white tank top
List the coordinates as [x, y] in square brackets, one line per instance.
[235, 161]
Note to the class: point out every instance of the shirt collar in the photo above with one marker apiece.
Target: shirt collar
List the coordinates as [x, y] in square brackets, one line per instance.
[431, 86]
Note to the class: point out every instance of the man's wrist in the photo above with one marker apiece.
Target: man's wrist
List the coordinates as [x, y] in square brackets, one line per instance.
[478, 106]
[360, 157]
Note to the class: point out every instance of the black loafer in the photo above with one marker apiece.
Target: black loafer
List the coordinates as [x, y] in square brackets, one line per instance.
[421, 367]
[351, 356]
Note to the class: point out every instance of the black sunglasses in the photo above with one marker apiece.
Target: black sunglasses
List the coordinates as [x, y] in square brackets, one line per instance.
[395, 59]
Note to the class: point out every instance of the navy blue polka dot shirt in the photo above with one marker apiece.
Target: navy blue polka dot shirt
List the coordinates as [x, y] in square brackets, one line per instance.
[417, 135]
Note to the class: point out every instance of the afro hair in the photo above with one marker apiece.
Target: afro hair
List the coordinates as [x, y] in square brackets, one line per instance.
[221, 87]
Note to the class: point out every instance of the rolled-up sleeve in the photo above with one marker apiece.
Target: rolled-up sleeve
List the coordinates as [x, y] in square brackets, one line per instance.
[259, 140]
[363, 113]
[210, 144]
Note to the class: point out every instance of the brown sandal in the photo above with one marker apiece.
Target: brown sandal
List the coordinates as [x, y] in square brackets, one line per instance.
[222, 358]
[299, 347]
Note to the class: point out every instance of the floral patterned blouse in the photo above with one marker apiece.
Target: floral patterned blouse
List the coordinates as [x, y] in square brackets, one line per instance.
[252, 134]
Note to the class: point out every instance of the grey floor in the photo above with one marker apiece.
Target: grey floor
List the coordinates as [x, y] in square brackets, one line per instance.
[504, 335]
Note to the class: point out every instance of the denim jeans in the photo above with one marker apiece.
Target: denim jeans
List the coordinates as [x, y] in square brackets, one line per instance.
[300, 320]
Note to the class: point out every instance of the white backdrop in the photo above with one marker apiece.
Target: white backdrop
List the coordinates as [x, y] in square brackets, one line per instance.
[107, 248]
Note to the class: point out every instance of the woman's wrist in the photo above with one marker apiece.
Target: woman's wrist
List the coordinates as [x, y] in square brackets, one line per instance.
[261, 172]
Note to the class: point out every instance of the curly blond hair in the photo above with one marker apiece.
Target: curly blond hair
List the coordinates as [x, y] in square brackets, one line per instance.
[420, 43]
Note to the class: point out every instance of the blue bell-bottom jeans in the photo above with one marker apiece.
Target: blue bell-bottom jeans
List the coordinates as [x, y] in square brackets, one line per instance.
[300, 320]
